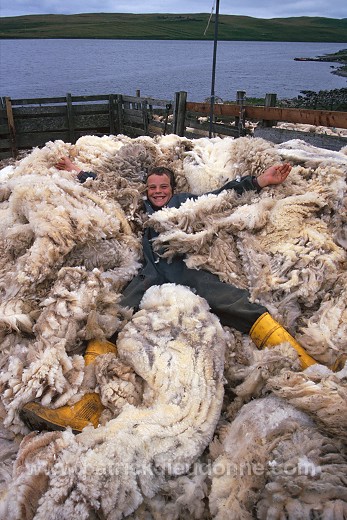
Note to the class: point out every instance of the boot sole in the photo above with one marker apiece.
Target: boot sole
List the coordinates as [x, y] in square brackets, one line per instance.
[35, 423]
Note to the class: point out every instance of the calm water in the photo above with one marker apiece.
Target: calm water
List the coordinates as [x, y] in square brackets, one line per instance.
[45, 68]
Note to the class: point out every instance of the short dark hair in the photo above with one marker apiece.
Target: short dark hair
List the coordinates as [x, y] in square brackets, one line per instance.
[162, 170]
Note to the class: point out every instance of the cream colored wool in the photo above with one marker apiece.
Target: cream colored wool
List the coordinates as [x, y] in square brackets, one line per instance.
[212, 162]
[304, 153]
[274, 461]
[286, 244]
[118, 384]
[324, 333]
[41, 161]
[181, 363]
[293, 256]
[318, 392]
[54, 212]
[182, 498]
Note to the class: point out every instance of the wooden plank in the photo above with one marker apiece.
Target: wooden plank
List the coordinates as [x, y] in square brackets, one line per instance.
[216, 128]
[180, 113]
[219, 109]
[11, 126]
[119, 103]
[100, 108]
[145, 117]
[111, 113]
[51, 124]
[149, 100]
[39, 111]
[138, 120]
[270, 101]
[59, 100]
[128, 130]
[42, 124]
[40, 139]
[90, 121]
[3, 129]
[129, 112]
[58, 110]
[291, 115]
[5, 144]
[5, 155]
[296, 115]
[70, 118]
[38, 101]
[96, 98]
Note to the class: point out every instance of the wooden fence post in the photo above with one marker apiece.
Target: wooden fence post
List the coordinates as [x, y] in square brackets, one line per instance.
[111, 109]
[180, 113]
[270, 101]
[240, 120]
[70, 118]
[145, 117]
[138, 94]
[11, 126]
[119, 101]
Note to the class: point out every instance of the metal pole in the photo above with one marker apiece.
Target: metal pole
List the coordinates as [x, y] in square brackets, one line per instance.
[214, 67]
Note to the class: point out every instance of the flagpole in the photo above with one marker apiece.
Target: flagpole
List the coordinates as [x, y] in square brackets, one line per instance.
[214, 67]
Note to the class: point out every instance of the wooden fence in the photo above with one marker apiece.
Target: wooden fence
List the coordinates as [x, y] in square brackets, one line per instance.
[27, 123]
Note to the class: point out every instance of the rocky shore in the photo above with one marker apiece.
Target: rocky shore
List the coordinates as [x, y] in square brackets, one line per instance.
[339, 57]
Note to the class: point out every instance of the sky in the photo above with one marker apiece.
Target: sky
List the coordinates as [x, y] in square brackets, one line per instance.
[254, 8]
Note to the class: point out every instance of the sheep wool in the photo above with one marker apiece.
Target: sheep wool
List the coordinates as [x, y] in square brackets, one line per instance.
[198, 423]
[180, 361]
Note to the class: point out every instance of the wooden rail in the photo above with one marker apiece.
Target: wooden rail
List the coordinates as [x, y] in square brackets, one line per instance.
[290, 115]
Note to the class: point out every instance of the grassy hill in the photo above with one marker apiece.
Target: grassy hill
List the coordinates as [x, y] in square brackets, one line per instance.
[173, 27]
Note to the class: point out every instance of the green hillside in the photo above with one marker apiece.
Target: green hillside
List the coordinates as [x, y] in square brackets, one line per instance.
[173, 27]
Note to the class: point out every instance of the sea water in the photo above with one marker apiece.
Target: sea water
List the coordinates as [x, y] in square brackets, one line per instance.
[54, 67]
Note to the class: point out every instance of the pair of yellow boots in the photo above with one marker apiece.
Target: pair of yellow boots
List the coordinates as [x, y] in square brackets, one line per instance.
[266, 332]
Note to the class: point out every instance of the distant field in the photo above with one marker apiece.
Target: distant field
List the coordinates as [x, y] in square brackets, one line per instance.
[173, 27]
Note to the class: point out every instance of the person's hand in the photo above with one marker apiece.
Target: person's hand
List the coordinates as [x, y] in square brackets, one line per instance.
[66, 164]
[274, 175]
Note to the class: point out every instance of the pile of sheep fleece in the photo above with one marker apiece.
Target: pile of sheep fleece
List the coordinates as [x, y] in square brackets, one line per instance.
[198, 423]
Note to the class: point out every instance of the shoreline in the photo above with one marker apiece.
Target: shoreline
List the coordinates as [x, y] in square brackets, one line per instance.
[339, 57]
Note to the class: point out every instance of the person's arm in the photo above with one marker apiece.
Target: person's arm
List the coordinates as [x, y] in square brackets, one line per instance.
[66, 164]
[273, 175]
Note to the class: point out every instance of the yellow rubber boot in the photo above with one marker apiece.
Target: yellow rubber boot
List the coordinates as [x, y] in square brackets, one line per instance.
[267, 332]
[96, 348]
[86, 411]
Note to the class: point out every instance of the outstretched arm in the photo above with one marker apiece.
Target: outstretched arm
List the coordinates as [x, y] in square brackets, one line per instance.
[274, 175]
[66, 164]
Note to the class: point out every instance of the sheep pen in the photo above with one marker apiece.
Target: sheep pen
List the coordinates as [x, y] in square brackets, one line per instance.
[198, 423]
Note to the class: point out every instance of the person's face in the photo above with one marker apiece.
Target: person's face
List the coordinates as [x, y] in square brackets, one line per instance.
[159, 190]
